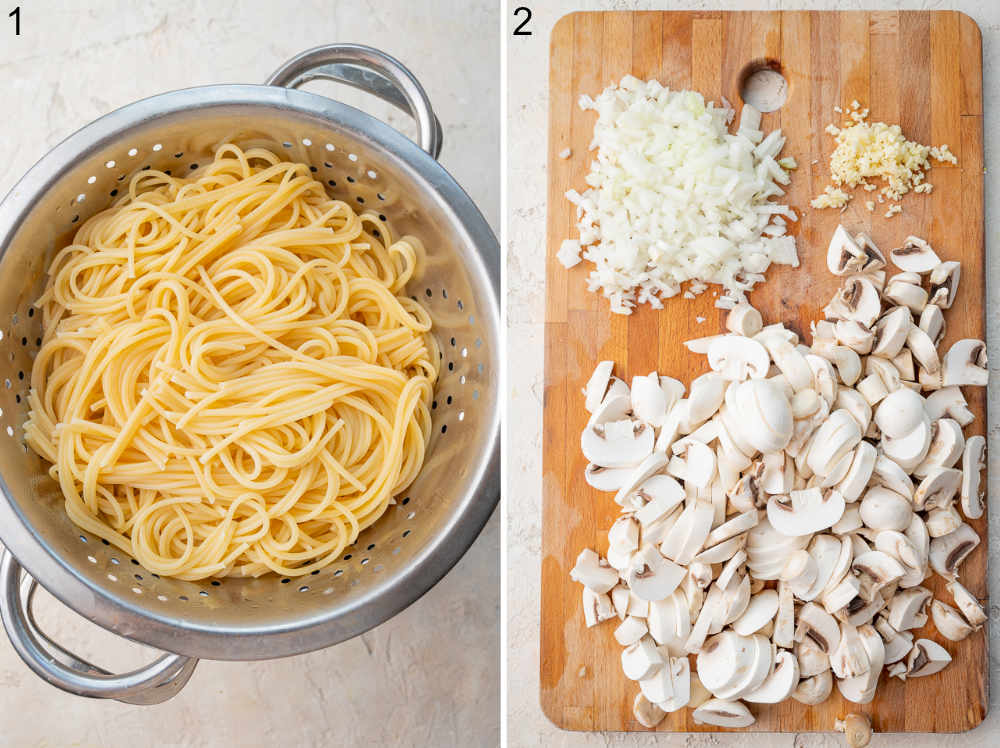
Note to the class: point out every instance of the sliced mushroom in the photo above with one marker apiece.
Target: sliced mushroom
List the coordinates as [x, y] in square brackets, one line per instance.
[799, 572]
[814, 690]
[949, 551]
[617, 444]
[973, 462]
[926, 658]
[967, 603]
[845, 256]
[924, 351]
[860, 472]
[662, 495]
[947, 444]
[938, 489]
[641, 659]
[900, 413]
[861, 688]
[805, 512]
[905, 552]
[762, 608]
[592, 573]
[876, 570]
[744, 320]
[818, 627]
[606, 479]
[646, 713]
[722, 713]
[857, 729]
[857, 300]
[884, 509]
[780, 683]
[764, 414]
[653, 577]
[897, 644]
[942, 521]
[891, 332]
[649, 401]
[906, 609]
[597, 385]
[737, 358]
[834, 439]
[965, 364]
[849, 658]
[944, 283]
[949, 622]
[688, 534]
[915, 256]
[597, 607]
[910, 450]
[949, 401]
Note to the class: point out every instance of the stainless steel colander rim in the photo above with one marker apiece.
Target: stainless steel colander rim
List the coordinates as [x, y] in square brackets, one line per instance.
[393, 593]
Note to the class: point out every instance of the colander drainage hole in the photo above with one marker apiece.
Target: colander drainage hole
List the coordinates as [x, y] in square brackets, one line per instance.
[314, 572]
[371, 546]
[429, 294]
[365, 561]
[203, 593]
[115, 561]
[182, 597]
[448, 400]
[347, 557]
[304, 588]
[338, 572]
[83, 539]
[406, 501]
[285, 581]
[444, 293]
[406, 533]
[380, 196]
[216, 583]
[138, 576]
[350, 179]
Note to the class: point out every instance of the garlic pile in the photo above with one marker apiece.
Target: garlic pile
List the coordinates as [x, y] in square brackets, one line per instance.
[823, 469]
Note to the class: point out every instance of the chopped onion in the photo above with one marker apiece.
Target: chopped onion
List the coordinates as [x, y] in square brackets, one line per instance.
[674, 197]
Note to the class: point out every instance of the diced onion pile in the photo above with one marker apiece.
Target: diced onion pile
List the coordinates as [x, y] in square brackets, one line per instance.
[674, 197]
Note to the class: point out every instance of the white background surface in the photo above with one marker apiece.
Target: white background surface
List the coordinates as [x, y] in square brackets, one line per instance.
[528, 112]
[429, 676]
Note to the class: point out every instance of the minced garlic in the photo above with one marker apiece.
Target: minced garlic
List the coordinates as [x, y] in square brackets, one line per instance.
[876, 150]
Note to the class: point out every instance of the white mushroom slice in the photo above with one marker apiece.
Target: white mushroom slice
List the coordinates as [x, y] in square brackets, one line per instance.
[848, 364]
[737, 525]
[923, 350]
[637, 606]
[876, 570]
[903, 361]
[617, 443]
[725, 659]
[850, 522]
[817, 627]
[973, 462]
[906, 609]
[805, 512]
[653, 577]
[698, 693]
[907, 294]
[897, 644]
[844, 256]
[944, 283]
[799, 572]
[737, 358]
[897, 670]
[647, 714]
[858, 612]
[926, 658]
[949, 401]
[854, 403]
[707, 394]
[723, 713]
[949, 551]
[722, 552]
[695, 465]
[814, 690]
[904, 551]
[756, 673]
[669, 621]
[764, 414]
[942, 521]
[616, 405]
[884, 509]
[630, 630]
[967, 603]
[910, 450]
[858, 300]
[824, 378]
[932, 322]
[855, 336]
[641, 659]
[597, 607]
[779, 684]
[624, 533]
[804, 403]
[889, 474]
[915, 256]
[875, 260]
[592, 574]
[606, 479]
[784, 622]
[662, 495]
[761, 609]
[688, 534]
[860, 472]
[949, 622]
[938, 489]
[649, 401]
[947, 443]
[861, 689]
[811, 660]
[872, 389]
[900, 413]
[965, 364]
[891, 332]
[659, 686]
[834, 439]
[710, 610]
[744, 320]
[841, 596]
[826, 551]
[730, 569]
[597, 385]
[778, 475]
[850, 658]
[619, 600]
[789, 360]
[677, 417]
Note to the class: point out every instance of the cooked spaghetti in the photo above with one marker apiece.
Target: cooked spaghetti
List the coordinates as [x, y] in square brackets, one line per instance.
[231, 380]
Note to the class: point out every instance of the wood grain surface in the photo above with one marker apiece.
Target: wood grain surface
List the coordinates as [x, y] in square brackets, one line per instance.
[922, 70]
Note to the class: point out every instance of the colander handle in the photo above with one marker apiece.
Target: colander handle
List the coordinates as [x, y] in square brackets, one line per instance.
[152, 684]
[369, 70]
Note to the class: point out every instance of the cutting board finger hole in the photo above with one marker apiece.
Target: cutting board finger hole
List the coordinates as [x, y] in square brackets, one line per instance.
[762, 85]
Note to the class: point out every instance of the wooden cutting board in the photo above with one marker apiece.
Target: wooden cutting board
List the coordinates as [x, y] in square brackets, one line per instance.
[922, 70]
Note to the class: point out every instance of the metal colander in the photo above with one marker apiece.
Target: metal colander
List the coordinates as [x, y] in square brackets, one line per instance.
[363, 162]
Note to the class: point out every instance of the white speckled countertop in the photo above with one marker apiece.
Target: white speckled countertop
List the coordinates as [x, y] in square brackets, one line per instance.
[429, 676]
[527, 137]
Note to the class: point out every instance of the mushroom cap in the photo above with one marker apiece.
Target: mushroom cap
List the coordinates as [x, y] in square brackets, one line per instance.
[646, 713]
[884, 509]
[737, 358]
[765, 415]
[844, 255]
[915, 256]
[965, 363]
[973, 462]
[805, 512]
[722, 713]
[780, 683]
[926, 658]
[949, 622]
[900, 412]
[815, 689]
[938, 489]
[949, 551]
